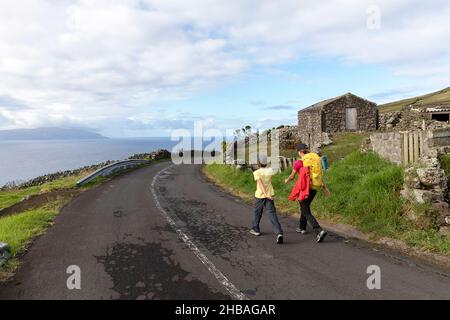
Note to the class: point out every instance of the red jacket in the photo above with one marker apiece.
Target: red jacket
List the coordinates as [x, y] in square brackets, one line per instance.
[300, 191]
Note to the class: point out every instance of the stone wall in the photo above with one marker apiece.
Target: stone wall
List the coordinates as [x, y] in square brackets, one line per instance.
[289, 137]
[388, 120]
[155, 155]
[426, 184]
[439, 138]
[334, 114]
[310, 128]
[392, 146]
[388, 145]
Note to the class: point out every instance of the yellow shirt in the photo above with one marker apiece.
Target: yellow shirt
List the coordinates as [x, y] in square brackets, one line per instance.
[265, 175]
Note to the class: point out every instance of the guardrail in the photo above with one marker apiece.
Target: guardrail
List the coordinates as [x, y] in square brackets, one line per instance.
[4, 253]
[111, 169]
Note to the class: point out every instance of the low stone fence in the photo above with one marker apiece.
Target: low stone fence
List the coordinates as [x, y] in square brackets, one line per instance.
[406, 147]
[388, 145]
[439, 138]
[155, 155]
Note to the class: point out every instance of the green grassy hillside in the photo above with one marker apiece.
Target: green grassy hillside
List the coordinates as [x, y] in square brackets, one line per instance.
[343, 144]
[442, 96]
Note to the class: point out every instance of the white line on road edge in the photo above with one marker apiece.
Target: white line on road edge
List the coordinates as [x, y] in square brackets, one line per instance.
[223, 280]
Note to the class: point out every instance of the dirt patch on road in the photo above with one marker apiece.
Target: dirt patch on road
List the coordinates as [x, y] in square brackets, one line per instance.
[38, 200]
[148, 271]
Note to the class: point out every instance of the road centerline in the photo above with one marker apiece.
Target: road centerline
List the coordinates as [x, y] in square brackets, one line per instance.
[234, 292]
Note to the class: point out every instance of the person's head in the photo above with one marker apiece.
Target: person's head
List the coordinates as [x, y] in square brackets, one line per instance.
[302, 149]
[262, 161]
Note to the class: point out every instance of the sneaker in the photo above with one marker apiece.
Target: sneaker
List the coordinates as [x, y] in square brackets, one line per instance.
[299, 230]
[255, 233]
[321, 236]
[280, 239]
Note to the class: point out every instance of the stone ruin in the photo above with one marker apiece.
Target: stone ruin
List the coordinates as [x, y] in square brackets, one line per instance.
[426, 184]
[427, 117]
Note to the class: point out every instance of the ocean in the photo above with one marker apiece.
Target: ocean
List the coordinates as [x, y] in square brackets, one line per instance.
[24, 160]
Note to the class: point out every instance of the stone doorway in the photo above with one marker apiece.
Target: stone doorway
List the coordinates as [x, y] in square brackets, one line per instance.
[351, 119]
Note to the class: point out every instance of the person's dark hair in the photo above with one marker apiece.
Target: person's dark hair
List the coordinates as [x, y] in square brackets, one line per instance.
[302, 148]
[262, 165]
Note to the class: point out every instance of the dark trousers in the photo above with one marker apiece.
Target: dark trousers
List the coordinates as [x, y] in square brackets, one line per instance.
[260, 205]
[306, 214]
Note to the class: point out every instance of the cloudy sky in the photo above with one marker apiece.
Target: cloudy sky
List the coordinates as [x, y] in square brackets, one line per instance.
[144, 67]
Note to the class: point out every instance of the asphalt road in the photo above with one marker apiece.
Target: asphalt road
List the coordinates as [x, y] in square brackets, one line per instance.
[168, 234]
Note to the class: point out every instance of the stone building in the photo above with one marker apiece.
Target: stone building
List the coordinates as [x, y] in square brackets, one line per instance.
[341, 114]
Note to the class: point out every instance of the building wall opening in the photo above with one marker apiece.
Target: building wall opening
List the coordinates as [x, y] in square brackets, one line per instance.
[444, 117]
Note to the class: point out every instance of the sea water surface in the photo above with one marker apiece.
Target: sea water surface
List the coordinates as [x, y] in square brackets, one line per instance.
[24, 160]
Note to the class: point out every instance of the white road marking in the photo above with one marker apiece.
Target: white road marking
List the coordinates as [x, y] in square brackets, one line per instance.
[223, 280]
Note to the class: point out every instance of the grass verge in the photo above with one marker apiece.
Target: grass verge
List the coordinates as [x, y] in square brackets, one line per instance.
[19, 230]
[365, 194]
[11, 197]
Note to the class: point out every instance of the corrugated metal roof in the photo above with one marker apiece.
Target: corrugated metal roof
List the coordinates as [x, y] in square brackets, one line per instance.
[431, 110]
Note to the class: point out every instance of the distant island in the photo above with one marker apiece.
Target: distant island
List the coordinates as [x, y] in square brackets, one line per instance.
[49, 134]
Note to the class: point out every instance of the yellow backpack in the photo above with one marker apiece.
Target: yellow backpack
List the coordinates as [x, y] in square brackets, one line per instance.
[314, 162]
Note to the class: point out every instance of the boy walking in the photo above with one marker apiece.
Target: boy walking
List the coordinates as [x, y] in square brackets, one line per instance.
[264, 199]
[314, 164]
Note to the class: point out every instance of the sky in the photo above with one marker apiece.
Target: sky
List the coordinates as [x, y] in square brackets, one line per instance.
[137, 68]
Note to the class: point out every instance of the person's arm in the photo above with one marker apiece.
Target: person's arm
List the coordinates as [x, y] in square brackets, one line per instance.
[261, 186]
[291, 176]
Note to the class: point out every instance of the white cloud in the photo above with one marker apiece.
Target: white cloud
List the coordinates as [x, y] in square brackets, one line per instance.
[94, 62]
